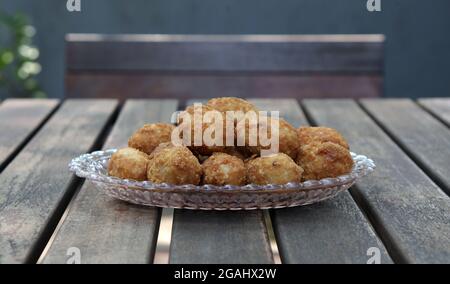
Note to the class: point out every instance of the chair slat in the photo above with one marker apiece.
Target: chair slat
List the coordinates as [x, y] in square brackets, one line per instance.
[286, 53]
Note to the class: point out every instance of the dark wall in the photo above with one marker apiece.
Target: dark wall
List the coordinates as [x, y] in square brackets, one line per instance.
[417, 31]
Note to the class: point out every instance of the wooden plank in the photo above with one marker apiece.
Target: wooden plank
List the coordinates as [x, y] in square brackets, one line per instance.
[440, 107]
[19, 119]
[108, 230]
[219, 237]
[323, 53]
[419, 134]
[333, 231]
[36, 185]
[184, 85]
[410, 213]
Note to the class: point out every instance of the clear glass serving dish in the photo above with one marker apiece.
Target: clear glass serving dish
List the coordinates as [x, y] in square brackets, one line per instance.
[94, 166]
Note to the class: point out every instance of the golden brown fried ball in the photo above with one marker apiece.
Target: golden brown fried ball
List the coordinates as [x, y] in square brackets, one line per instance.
[274, 169]
[204, 126]
[308, 135]
[231, 104]
[323, 160]
[288, 139]
[223, 169]
[160, 147]
[128, 163]
[174, 165]
[148, 137]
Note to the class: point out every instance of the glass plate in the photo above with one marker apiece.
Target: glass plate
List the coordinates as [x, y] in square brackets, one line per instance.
[94, 166]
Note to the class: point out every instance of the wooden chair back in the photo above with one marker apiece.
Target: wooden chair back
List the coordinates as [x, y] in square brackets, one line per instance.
[203, 66]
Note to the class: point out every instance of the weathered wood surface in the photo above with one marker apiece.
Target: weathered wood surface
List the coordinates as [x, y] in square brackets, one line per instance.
[219, 237]
[250, 53]
[19, 119]
[422, 136]
[108, 230]
[410, 213]
[36, 185]
[333, 231]
[184, 85]
[440, 107]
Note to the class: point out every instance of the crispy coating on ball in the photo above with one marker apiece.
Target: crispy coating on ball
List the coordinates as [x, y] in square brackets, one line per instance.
[223, 169]
[148, 137]
[323, 160]
[307, 135]
[160, 147]
[205, 127]
[275, 169]
[174, 165]
[128, 163]
[288, 139]
[231, 104]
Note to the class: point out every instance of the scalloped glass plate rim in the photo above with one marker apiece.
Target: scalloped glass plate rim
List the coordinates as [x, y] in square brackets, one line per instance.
[83, 165]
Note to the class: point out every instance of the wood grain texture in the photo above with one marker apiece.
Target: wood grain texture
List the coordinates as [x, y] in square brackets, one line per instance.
[35, 185]
[187, 85]
[229, 53]
[333, 231]
[440, 107]
[108, 230]
[422, 136]
[219, 237]
[410, 213]
[19, 118]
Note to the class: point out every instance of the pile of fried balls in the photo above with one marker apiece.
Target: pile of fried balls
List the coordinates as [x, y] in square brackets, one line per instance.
[306, 153]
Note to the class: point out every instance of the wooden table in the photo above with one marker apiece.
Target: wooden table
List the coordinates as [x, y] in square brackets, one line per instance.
[401, 211]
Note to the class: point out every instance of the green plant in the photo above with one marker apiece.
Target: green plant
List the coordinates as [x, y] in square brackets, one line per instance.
[18, 57]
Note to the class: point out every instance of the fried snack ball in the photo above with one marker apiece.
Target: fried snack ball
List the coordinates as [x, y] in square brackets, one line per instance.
[288, 139]
[160, 147]
[222, 169]
[274, 169]
[174, 165]
[308, 135]
[128, 163]
[205, 126]
[148, 137]
[231, 104]
[324, 160]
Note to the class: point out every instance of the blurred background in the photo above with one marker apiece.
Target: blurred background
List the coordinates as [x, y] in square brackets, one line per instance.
[417, 46]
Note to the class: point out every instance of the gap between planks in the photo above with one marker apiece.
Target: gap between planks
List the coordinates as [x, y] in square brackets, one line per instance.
[30, 136]
[405, 149]
[46, 240]
[379, 232]
[164, 239]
